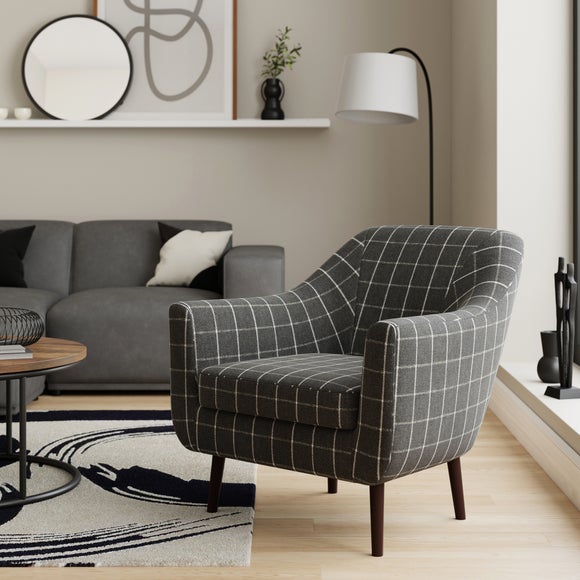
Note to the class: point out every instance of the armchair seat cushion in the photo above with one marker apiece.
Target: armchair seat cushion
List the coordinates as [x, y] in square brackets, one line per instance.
[313, 389]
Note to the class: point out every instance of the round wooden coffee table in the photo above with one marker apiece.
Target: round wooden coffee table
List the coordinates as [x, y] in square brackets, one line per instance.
[49, 355]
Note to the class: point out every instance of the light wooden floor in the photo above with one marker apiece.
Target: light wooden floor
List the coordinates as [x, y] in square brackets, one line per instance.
[519, 525]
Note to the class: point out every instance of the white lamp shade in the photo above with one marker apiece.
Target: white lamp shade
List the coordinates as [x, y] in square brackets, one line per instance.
[378, 87]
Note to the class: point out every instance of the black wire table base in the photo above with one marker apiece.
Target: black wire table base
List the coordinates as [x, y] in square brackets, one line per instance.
[24, 459]
[74, 481]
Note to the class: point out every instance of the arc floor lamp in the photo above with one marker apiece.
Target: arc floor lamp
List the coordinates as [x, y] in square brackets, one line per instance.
[380, 87]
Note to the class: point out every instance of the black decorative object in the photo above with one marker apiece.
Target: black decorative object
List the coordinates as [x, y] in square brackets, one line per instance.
[549, 364]
[273, 92]
[566, 291]
[274, 62]
[19, 326]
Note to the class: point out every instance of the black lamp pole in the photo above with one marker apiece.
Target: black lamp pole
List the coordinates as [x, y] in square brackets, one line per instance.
[430, 102]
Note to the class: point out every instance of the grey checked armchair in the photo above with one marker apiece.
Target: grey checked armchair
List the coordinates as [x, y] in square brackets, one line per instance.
[381, 364]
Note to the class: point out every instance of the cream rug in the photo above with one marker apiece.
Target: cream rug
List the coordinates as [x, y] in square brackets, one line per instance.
[141, 500]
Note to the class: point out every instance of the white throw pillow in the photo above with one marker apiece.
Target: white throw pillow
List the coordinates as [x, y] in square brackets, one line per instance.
[187, 254]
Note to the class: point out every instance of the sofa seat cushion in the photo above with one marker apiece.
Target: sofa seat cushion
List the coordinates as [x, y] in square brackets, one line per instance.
[30, 298]
[314, 389]
[125, 330]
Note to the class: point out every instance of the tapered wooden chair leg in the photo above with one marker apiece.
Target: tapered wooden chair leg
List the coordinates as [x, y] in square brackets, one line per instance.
[454, 468]
[215, 483]
[377, 497]
[332, 485]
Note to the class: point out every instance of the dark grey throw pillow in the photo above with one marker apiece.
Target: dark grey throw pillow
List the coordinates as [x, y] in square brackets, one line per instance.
[211, 278]
[13, 246]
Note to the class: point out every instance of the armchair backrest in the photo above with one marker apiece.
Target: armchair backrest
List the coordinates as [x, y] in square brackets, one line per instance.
[412, 271]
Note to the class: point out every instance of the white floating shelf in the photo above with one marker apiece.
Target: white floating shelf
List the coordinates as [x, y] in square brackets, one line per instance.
[166, 124]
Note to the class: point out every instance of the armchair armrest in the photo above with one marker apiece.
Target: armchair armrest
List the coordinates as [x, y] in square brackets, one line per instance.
[425, 388]
[316, 316]
[229, 330]
[253, 271]
[204, 333]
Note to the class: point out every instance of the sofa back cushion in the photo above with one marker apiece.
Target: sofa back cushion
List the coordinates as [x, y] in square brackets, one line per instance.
[47, 260]
[122, 253]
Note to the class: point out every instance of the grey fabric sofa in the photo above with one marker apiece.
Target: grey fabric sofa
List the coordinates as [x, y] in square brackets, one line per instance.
[88, 280]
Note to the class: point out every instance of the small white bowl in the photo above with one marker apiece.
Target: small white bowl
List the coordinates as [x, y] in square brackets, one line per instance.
[23, 113]
[3, 113]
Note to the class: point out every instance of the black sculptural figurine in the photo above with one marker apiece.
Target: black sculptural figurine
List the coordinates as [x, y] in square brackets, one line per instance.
[566, 291]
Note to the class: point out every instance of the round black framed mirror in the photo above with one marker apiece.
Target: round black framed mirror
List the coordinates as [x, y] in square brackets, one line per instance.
[77, 68]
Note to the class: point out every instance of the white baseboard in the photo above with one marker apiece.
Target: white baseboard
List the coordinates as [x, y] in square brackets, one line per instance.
[549, 450]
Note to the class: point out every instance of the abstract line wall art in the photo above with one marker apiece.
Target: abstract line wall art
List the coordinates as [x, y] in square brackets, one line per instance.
[183, 55]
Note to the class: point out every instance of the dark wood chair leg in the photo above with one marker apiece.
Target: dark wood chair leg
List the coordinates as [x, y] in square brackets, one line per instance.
[377, 497]
[215, 483]
[454, 468]
[332, 485]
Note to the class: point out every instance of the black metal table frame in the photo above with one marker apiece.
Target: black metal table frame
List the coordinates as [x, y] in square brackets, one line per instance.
[22, 456]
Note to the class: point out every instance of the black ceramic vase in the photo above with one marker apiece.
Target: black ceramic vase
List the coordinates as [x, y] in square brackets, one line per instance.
[273, 93]
[548, 365]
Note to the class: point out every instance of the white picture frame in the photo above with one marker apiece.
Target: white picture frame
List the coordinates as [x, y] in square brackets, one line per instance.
[184, 57]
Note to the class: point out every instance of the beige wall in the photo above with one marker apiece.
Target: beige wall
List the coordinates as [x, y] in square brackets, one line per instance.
[307, 190]
[534, 187]
[511, 145]
[474, 126]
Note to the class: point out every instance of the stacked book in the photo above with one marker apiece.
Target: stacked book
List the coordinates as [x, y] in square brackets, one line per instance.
[14, 351]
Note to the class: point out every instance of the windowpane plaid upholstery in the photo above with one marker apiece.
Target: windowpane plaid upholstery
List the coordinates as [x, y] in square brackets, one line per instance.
[406, 272]
[426, 308]
[314, 389]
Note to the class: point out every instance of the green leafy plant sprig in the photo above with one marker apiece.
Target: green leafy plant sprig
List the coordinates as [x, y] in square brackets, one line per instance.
[281, 57]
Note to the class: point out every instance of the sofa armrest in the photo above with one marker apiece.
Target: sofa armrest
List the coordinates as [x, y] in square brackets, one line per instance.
[253, 271]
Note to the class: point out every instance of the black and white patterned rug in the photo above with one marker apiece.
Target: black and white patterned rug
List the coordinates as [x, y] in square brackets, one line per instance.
[141, 501]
